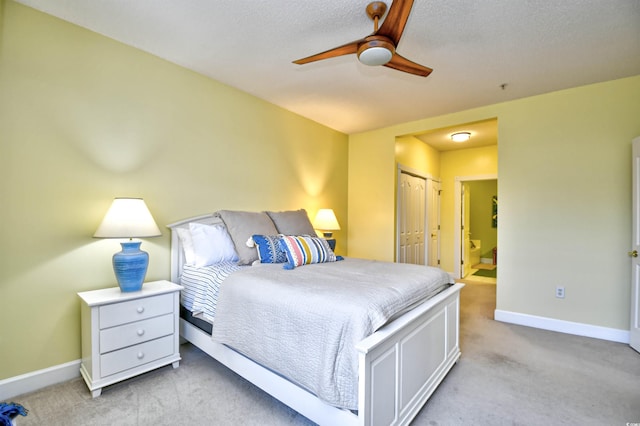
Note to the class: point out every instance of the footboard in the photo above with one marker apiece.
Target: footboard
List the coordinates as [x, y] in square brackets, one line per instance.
[403, 363]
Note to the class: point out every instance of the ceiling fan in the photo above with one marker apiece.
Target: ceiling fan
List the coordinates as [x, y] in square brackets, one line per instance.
[379, 48]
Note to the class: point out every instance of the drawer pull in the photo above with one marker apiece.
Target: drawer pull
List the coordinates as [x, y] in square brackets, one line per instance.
[140, 355]
[140, 309]
[140, 332]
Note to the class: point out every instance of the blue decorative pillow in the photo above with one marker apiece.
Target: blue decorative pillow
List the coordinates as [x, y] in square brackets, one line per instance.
[269, 250]
[304, 250]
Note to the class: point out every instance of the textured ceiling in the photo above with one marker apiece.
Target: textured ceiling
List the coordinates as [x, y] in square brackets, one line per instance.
[474, 46]
[481, 133]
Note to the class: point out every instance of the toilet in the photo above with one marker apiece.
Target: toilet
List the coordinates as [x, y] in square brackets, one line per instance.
[474, 252]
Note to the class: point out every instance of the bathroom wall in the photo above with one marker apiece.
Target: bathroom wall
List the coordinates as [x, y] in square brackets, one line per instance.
[481, 226]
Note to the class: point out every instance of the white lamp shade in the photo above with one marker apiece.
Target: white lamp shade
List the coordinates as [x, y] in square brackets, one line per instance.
[325, 220]
[128, 218]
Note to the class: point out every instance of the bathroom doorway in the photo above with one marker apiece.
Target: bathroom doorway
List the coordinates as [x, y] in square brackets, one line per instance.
[475, 239]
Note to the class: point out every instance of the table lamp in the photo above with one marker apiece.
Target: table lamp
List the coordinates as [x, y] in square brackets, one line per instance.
[129, 218]
[326, 222]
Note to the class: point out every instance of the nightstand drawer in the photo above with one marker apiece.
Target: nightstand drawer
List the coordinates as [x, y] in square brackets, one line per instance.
[135, 310]
[134, 356]
[136, 332]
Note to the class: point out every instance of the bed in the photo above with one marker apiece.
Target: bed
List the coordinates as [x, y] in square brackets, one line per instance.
[398, 367]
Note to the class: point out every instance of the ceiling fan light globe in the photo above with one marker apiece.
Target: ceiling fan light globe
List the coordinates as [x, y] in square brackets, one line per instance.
[374, 56]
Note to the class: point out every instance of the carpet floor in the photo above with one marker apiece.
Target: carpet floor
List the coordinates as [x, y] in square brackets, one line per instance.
[507, 375]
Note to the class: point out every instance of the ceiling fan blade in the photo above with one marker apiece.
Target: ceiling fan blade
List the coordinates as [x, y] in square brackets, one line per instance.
[396, 19]
[345, 49]
[401, 63]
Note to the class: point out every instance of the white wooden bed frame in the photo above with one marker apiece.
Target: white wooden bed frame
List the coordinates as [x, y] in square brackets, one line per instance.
[400, 365]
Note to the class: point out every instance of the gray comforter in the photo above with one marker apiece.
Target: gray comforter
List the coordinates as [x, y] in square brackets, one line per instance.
[304, 323]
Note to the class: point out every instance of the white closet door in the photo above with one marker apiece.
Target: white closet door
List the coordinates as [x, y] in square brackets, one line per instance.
[466, 229]
[412, 213]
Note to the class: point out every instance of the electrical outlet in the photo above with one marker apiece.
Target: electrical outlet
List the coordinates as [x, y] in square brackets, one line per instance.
[560, 292]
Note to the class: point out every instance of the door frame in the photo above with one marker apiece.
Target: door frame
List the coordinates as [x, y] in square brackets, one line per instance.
[433, 222]
[634, 323]
[457, 218]
[426, 176]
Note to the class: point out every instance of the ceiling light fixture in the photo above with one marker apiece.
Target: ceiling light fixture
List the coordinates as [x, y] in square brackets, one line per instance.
[376, 51]
[460, 136]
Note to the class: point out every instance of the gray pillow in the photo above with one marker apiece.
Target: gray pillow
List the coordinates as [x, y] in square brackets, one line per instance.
[293, 222]
[243, 225]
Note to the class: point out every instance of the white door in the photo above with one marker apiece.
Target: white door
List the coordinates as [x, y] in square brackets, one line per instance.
[433, 222]
[411, 216]
[466, 229]
[404, 204]
[634, 330]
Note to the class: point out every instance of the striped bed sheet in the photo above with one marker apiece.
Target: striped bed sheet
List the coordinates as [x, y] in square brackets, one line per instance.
[201, 288]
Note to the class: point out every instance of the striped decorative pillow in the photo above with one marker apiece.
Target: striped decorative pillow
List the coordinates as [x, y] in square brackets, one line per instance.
[269, 250]
[304, 250]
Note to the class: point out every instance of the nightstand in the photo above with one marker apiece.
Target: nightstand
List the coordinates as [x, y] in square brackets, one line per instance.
[126, 334]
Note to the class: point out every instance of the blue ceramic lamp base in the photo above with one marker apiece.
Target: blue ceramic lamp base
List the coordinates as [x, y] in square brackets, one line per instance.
[130, 266]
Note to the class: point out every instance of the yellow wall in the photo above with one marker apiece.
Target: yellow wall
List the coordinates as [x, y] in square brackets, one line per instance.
[564, 188]
[459, 163]
[371, 195]
[84, 119]
[412, 152]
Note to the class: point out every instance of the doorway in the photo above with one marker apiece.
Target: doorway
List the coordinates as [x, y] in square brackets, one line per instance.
[434, 153]
[466, 244]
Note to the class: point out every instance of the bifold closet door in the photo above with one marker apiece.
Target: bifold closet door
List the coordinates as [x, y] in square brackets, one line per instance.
[412, 217]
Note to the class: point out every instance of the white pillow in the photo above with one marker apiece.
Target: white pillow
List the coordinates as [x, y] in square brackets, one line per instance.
[211, 244]
[187, 245]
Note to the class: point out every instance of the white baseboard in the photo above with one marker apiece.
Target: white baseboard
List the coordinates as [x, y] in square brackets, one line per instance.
[568, 327]
[29, 382]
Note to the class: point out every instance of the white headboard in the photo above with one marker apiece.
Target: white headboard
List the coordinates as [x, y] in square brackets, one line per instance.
[177, 254]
